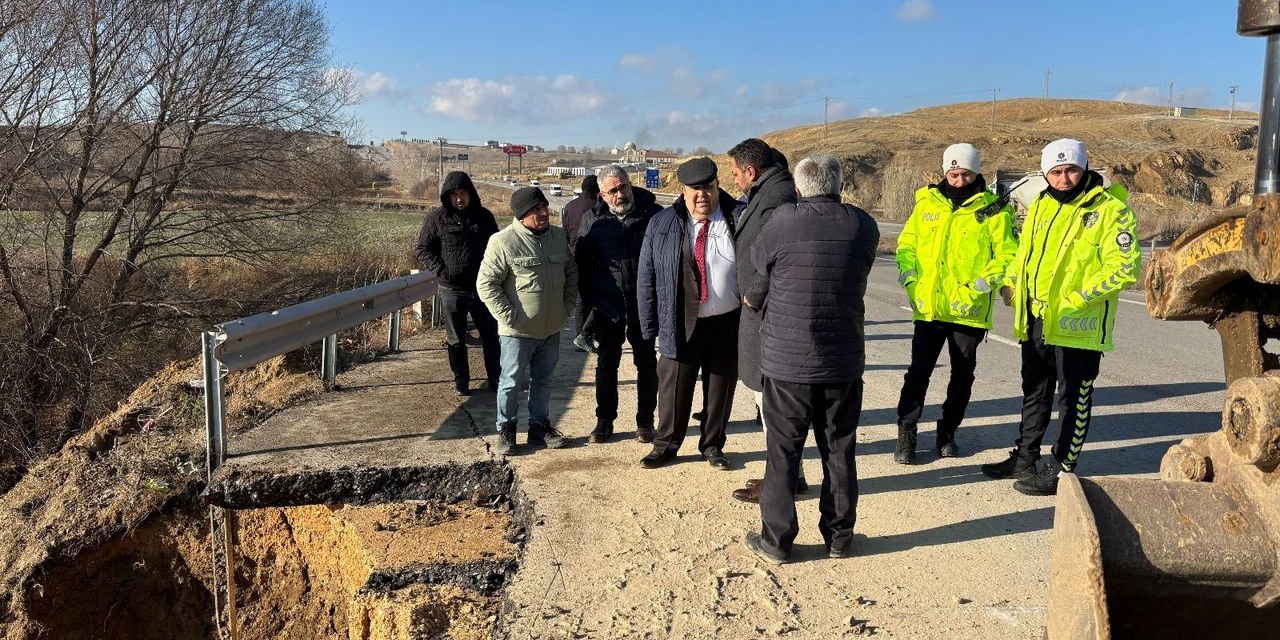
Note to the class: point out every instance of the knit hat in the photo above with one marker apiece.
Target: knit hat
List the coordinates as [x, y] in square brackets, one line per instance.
[961, 156]
[1063, 151]
[590, 186]
[696, 172]
[526, 199]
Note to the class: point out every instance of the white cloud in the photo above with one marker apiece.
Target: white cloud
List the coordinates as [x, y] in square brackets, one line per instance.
[637, 61]
[683, 80]
[526, 99]
[915, 10]
[870, 112]
[362, 85]
[772, 96]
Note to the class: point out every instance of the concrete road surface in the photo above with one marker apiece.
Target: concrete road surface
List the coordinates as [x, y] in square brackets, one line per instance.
[941, 551]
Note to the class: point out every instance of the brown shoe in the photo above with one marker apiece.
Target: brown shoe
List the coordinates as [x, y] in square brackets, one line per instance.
[753, 482]
[749, 493]
[644, 433]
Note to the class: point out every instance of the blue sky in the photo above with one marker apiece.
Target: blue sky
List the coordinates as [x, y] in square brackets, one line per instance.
[709, 74]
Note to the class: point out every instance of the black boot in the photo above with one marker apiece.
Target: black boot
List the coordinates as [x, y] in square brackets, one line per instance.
[1044, 482]
[507, 439]
[1018, 465]
[905, 452]
[947, 442]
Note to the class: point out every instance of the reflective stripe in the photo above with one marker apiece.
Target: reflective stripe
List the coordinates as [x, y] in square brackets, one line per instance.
[902, 279]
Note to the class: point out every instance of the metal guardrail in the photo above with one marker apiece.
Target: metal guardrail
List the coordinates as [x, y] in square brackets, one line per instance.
[240, 344]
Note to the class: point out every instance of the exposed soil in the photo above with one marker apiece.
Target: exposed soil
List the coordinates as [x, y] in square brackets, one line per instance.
[400, 570]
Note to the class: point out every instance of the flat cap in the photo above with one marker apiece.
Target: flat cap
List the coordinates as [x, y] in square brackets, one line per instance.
[696, 172]
[526, 199]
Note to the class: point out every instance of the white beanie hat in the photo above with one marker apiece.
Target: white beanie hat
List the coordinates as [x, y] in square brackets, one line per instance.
[961, 156]
[1063, 151]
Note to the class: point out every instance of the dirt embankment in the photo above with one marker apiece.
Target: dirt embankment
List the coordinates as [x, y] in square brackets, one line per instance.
[1172, 166]
[111, 537]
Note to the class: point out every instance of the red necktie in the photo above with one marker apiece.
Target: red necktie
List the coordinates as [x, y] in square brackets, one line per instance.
[700, 257]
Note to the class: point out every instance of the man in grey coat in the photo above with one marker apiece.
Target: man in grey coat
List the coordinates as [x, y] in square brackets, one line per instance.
[813, 259]
[530, 283]
[761, 173]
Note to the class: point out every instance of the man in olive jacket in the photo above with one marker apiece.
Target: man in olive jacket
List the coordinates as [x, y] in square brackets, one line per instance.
[529, 282]
[451, 244]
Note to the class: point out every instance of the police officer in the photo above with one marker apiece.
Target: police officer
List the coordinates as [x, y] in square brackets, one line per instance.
[952, 255]
[1077, 251]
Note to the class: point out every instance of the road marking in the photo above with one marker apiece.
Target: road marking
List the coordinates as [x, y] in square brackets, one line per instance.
[1002, 339]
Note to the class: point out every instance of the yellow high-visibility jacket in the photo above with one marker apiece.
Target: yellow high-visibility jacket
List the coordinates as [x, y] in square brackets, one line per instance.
[1091, 259]
[952, 260]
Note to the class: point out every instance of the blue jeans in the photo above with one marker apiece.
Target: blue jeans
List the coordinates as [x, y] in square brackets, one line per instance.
[527, 363]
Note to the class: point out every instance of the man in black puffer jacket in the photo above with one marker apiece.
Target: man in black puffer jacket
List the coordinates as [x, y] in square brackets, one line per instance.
[813, 258]
[608, 254]
[451, 244]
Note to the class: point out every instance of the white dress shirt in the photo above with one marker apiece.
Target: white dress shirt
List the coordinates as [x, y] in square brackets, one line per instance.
[722, 270]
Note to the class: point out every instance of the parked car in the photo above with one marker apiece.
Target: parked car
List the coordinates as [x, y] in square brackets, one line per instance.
[577, 191]
[515, 183]
[535, 183]
[557, 190]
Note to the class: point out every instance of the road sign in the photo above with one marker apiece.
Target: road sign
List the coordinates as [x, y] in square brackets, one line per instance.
[515, 149]
[463, 157]
[651, 178]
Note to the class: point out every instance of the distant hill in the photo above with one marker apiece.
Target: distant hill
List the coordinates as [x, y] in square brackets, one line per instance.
[1164, 161]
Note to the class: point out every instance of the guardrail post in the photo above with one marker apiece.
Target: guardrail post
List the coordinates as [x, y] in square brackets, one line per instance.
[393, 333]
[329, 362]
[215, 412]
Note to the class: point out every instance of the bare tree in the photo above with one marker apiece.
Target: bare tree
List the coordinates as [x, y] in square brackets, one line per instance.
[139, 134]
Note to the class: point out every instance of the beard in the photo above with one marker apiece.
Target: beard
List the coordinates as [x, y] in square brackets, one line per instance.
[622, 208]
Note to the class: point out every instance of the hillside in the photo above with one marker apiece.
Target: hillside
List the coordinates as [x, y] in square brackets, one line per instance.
[1165, 162]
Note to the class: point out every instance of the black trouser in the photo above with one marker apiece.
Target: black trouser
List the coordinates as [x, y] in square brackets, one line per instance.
[834, 411]
[713, 348]
[1073, 371]
[610, 336]
[457, 305]
[926, 346]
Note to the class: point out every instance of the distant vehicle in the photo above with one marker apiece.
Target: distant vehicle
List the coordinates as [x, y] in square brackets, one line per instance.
[577, 191]
[556, 190]
[535, 183]
[515, 183]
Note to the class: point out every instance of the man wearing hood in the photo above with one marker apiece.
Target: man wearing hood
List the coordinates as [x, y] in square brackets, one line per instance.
[529, 282]
[451, 244]
[688, 298]
[1077, 252]
[952, 255]
[608, 254]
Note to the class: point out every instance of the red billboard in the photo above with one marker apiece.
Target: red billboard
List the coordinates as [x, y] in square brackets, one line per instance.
[514, 149]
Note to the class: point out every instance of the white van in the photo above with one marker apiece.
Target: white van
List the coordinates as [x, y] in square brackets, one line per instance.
[556, 190]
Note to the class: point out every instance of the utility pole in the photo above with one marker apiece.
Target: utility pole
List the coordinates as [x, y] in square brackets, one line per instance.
[993, 107]
[1231, 112]
[1044, 94]
[1170, 98]
[826, 103]
[440, 141]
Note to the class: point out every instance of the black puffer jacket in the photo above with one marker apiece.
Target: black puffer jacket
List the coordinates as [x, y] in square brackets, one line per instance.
[666, 274]
[814, 258]
[451, 243]
[774, 187]
[608, 255]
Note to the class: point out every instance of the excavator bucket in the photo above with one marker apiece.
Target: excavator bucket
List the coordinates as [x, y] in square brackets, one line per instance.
[1196, 554]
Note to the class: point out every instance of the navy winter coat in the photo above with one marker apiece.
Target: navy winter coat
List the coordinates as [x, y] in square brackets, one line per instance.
[814, 258]
[666, 272]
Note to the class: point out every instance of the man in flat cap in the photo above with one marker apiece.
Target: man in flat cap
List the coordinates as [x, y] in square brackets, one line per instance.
[529, 283]
[688, 298]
